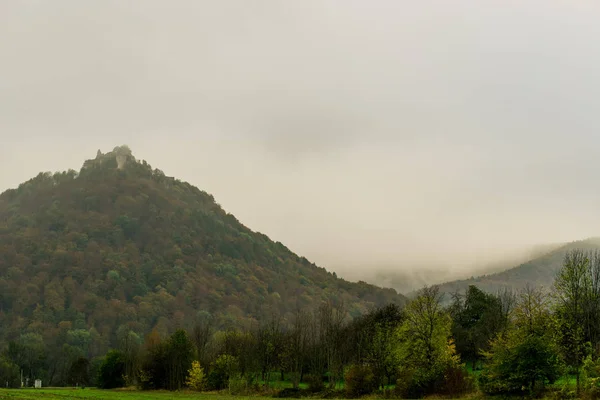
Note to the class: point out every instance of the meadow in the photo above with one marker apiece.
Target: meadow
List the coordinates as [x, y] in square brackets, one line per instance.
[132, 394]
[97, 394]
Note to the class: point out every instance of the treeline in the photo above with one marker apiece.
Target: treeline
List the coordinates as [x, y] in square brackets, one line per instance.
[317, 349]
[500, 344]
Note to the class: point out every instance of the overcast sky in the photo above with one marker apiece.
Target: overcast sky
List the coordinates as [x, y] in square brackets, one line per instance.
[361, 134]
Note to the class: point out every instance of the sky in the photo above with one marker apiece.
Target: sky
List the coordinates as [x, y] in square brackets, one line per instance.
[365, 135]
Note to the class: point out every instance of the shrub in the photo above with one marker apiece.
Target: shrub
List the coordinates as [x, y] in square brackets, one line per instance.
[223, 368]
[450, 380]
[403, 383]
[79, 372]
[112, 371]
[359, 380]
[9, 373]
[217, 379]
[95, 365]
[590, 378]
[243, 385]
[315, 383]
[519, 365]
[195, 378]
[153, 373]
[457, 381]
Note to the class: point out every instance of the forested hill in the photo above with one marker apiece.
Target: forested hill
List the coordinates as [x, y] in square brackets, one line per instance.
[539, 272]
[119, 245]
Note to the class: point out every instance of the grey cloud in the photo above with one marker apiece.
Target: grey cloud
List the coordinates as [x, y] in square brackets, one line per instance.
[387, 133]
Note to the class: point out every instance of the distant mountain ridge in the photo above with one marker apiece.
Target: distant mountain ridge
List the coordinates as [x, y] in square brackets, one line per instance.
[119, 245]
[539, 271]
[409, 278]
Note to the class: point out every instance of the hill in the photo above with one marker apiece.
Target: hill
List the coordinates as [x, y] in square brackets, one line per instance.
[120, 245]
[539, 271]
[408, 279]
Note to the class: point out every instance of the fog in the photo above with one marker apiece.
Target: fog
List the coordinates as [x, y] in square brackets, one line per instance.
[365, 135]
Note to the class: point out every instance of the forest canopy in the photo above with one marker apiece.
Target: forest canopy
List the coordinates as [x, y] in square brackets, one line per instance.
[120, 247]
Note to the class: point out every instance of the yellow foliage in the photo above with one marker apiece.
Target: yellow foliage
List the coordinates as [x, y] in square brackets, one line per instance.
[195, 379]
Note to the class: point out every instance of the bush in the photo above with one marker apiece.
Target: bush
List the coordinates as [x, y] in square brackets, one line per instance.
[359, 380]
[9, 373]
[195, 378]
[403, 383]
[79, 372]
[315, 383]
[590, 379]
[416, 382]
[112, 371]
[565, 392]
[243, 385]
[223, 368]
[217, 379]
[519, 365]
[457, 381]
[153, 374]
[450, 380]
[95, 366]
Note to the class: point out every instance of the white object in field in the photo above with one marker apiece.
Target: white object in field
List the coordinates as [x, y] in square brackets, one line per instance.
[38, 383]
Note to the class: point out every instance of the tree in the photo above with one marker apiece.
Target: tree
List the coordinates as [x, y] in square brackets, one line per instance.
[507, 298]
[130, 346]
[79, 372]
[297, 346]
[426, 351]
[9, 374]
[359, 380]
[477, 318]
[195, 378]
[223, 369]
[370, 339]
[269, 346]
[180, 353]
[166, 363]
[153, 373]
[316, 358]
[29, 354]
[384, 323]
[112, 370]
[525, 357]
[201, 335]
[577, 295]
[331, 320]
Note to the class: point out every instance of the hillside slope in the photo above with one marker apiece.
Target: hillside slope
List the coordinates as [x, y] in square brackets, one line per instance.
[539, 272]
[120, 244]
[408, 279]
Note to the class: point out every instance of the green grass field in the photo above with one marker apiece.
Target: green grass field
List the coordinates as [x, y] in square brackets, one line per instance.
[97, 394]
[124, 394]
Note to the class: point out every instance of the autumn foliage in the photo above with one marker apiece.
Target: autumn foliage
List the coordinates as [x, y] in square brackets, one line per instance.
[87, 256]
